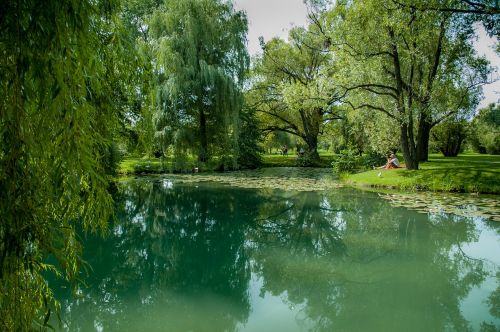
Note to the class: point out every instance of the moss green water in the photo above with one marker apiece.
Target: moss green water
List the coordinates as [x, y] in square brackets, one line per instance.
[203, 256]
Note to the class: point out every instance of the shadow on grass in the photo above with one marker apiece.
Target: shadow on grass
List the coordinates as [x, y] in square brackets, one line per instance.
[459, 179]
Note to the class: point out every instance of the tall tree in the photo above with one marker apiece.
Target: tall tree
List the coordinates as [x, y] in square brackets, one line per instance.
[290, 87]
[201, 58]
[405, 63]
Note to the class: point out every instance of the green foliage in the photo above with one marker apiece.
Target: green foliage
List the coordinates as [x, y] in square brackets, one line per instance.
[65, 65]
[414, 67]
[448, 137]
[349, 161]
[372, 159]
[485, 130]
[200, 61]
[249, 140]
[276, 140]
[307, 160]
[291, 89]
[346, 161]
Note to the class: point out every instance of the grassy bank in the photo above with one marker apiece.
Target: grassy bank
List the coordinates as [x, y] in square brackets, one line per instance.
[277, 160]
[465, 173]
[141, 165]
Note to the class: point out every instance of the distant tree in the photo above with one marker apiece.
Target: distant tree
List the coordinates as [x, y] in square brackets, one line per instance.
[275, 140]
[290, 87]
[449, 135]
[201, 57]
[137, 129]
[485, 130]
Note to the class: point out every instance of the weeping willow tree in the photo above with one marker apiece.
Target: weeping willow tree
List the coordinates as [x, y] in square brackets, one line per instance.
[63, 65]
[201, 56]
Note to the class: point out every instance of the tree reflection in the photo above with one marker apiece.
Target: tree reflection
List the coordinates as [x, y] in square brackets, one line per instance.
[171, 244]
[180, 257]
[353, 262]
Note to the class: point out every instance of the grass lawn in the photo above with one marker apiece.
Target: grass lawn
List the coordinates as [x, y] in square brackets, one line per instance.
[138, 165]
[143, 165]
[465, 173]
[277, 160]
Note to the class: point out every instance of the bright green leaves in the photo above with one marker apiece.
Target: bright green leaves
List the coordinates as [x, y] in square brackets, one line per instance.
[64, 71]
[415, 66]
[291, 86]
[201, 59]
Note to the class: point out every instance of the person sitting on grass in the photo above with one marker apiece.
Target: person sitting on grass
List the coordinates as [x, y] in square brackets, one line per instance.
[392, 162]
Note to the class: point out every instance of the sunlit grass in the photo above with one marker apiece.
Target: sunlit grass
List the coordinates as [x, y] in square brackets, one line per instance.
[465, 173]
[277, 160]
[143, 165]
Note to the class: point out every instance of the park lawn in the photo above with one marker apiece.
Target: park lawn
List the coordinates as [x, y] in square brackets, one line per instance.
[144, 165]
[469, 172]
[277, 160]
[136, 165]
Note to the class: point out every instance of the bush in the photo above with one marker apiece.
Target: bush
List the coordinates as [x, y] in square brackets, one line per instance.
[372, 159]
[346, 161]
[305, 161]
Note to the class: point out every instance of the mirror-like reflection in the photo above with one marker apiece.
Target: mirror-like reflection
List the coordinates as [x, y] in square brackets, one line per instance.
[206, 257]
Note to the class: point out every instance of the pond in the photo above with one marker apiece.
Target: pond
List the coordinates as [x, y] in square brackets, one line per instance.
[260, 253]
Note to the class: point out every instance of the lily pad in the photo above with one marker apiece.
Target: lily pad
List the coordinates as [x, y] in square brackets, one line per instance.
[466, 205]
[284, 178]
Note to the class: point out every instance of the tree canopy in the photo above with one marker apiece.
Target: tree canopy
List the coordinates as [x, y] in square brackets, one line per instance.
[290, 87]
[83, 82]
[201, 57]
[415, 67]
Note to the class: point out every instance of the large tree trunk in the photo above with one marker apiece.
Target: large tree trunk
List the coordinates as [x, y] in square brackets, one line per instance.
[312, 147]
[408, 147]
[453, 144]
[423, 136]
[203, 152]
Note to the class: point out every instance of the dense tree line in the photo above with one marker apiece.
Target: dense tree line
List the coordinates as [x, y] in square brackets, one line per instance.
[414, 66]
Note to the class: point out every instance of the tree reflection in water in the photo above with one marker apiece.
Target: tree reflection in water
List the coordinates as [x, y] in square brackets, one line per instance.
[175, 254]
[180, 257]
[355, 263]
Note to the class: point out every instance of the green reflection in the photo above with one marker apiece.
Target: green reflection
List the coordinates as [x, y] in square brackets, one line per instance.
[186, 257]
[174, 255]
[384, 268]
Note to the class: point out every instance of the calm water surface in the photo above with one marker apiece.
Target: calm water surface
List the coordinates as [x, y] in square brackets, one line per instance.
[211, 257]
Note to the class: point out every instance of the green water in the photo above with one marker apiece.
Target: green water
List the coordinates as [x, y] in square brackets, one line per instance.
[213, 257]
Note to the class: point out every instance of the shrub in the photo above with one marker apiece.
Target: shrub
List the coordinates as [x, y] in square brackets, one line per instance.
[372, 159]
[346, 161]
